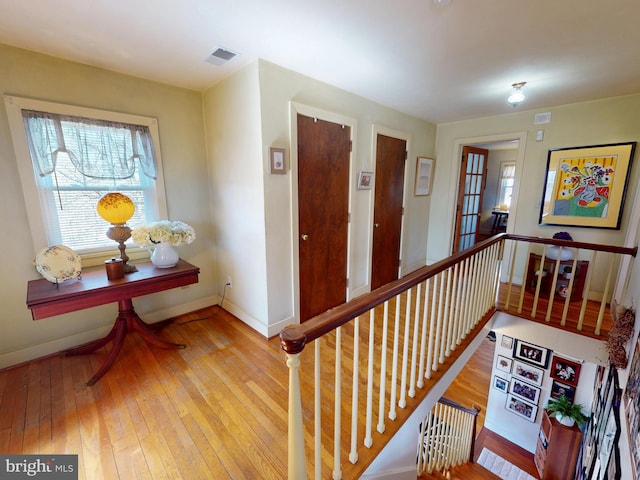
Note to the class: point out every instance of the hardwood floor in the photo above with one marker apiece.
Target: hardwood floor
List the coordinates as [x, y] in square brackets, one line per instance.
[217, 409]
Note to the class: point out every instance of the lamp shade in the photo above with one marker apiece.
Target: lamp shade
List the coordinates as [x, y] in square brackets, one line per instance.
[115, 208]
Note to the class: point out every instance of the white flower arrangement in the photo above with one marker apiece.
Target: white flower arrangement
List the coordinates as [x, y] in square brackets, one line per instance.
[177, 233]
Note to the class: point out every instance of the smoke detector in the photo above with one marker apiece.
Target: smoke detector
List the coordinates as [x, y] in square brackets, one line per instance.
[220, 56]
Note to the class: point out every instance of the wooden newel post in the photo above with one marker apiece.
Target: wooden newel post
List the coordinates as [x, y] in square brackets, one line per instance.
[293, 343]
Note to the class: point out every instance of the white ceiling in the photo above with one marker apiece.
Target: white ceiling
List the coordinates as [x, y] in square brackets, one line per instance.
[437, 62]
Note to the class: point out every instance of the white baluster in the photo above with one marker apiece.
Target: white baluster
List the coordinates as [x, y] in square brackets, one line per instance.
[414, 348]
[423, 340]
[383, 367]
[405, 352]
[296, 457]
[368, 440]
[394, 372]
[317, 410]
[442, 327]
[447, 313]
[353, 455]
[432, 364]
[337, 435]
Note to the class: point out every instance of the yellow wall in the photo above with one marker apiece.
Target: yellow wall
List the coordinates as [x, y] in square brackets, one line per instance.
[255, 220]
[179, 114]
[605, 121]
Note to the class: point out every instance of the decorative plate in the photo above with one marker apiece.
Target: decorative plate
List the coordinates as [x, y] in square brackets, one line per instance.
[58, 264]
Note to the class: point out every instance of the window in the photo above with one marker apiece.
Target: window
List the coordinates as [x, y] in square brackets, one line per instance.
[505, 185]
[68, 157]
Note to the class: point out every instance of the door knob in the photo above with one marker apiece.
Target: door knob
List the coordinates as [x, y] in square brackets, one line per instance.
[304, 237]
[376, 225]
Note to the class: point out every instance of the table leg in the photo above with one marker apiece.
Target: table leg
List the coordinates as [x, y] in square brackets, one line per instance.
[127, 321]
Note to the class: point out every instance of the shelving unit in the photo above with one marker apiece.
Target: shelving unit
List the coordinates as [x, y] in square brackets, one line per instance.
[557, 449]
[563, 279]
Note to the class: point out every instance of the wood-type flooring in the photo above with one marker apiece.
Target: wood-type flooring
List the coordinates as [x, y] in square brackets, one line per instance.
[215, 410]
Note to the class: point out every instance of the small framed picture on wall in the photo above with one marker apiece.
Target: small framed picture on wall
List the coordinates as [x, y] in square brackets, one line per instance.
[504, 364]
[524, 390]
[424, 176]
[278, 162]
[527, 372]
[365, 180]
[530, 353]
[564, 370]
[521, 408]
[500, 383]
[560, 389]
[507, 342]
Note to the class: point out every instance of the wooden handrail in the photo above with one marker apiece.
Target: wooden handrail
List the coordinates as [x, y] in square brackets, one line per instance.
[571, 244]
[294, 338]
[474, 410]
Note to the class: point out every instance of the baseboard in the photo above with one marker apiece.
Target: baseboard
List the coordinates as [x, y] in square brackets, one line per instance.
[52, 347]
[267, 331]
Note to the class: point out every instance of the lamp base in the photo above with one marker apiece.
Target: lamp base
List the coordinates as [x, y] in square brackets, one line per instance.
[121, 233]
[128, 268]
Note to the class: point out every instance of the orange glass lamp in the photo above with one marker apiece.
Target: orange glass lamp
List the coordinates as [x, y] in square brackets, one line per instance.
[116, 209]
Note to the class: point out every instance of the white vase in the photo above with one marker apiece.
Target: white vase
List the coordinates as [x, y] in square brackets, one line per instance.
[164, 255]
[568, 421]
[552, 252]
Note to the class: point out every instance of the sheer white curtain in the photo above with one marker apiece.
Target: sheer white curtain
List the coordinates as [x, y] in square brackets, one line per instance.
[76, 160]
[97, 148]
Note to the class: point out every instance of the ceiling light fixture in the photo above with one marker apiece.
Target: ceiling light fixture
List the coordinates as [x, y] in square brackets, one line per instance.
[517, 96]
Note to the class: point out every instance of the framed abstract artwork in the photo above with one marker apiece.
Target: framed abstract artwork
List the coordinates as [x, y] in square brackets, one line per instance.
[586, 186]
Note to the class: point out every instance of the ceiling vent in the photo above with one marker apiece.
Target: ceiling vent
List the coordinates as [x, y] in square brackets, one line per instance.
[220, 56]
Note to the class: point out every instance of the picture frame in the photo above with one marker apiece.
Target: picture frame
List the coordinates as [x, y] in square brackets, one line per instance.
[527, 372]
[504, 364]
[586, 186]
[521, 408]
[558, 389]
[631, 400]
[524, 390]
[500, 383]
[530, 353]
[506, 342]
[424, 176]
[278, 161]
[365, 180]
[565, 370]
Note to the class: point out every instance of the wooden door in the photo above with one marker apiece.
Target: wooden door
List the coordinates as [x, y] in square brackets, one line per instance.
[391, 154]
[473, 177]
[324, 150]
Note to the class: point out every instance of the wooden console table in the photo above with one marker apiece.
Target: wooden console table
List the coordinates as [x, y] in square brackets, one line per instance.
[46, 299]
[562, 280]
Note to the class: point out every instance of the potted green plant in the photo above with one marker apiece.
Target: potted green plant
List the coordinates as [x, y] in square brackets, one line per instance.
[566, 413]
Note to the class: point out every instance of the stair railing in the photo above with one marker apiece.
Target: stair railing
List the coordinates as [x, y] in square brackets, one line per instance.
[377, 356]
[447, 437]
